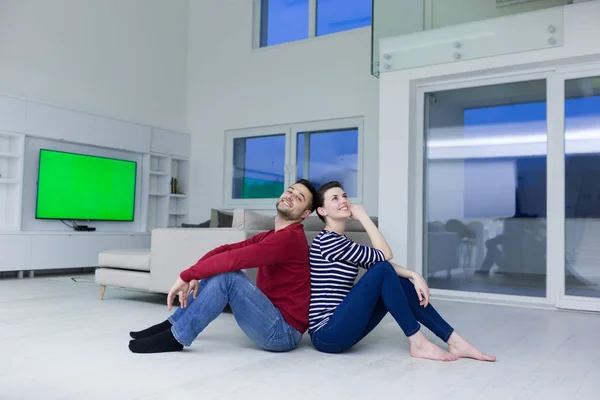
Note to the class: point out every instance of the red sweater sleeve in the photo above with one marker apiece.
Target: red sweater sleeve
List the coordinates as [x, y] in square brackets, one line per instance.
[272, 249]
[232, 246]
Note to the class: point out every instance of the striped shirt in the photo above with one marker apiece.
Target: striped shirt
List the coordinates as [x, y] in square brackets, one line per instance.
[334, 262]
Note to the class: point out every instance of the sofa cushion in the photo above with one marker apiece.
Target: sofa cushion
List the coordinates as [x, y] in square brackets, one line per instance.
[220, 218]
[355, 226]
[205, 224]
[133, 259]
[251, 220]
[313, 223]
[122, 278]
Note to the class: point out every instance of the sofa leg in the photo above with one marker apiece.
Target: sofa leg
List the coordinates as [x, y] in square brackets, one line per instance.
[102, 289]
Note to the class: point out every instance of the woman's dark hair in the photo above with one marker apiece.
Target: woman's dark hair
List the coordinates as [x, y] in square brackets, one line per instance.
[312, 191]
[320, 197]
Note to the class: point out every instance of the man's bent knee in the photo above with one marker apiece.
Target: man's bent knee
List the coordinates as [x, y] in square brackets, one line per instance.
[229, 280]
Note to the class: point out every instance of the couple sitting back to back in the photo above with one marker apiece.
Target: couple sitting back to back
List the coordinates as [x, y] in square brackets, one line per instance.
[300, 289]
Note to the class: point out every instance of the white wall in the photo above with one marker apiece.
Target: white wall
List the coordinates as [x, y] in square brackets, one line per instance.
[230, 86]
[124, 59]
[399, 127]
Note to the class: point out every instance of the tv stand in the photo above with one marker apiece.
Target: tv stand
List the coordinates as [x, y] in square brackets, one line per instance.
[38, 250]
[84, 228]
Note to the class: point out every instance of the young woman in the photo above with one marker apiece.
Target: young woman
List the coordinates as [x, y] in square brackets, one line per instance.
[343, 313]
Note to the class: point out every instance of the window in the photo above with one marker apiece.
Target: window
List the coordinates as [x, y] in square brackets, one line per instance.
[283, 21]
[262, 162]
[342, 15]
[258, 164]
[329, 155]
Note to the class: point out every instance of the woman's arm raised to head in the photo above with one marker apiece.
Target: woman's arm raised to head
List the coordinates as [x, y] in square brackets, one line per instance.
[360, 214]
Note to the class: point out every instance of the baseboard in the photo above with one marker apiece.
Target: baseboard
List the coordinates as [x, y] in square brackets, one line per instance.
[50, 272]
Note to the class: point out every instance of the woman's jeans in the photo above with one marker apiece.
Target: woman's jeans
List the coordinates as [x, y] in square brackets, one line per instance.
[379, 290]
[253, 311]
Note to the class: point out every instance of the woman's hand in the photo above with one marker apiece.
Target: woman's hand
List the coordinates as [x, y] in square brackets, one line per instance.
[422, 289]
[357, 211]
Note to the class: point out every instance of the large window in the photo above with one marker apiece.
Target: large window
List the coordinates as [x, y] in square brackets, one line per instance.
[261, 162]
[283, 21]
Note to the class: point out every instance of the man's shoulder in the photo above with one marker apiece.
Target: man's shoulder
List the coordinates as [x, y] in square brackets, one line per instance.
[292, 230]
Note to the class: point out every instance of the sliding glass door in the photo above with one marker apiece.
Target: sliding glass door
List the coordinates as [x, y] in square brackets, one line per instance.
[511, 189]
[579, 281]
[485, 193]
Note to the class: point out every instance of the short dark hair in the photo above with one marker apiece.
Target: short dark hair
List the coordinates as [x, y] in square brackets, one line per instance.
[313, 192]
[320, 197]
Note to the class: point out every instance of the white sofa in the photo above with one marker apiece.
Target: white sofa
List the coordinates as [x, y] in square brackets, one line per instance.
[174, 249]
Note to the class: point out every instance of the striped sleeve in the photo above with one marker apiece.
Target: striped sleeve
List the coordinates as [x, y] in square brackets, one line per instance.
[340, 248]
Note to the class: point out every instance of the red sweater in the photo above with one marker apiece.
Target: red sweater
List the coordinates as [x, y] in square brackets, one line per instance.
[282, 258]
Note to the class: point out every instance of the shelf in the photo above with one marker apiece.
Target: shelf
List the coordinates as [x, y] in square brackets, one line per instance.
[165, 208]
[159, 155]
[9, 155]
[9, 181]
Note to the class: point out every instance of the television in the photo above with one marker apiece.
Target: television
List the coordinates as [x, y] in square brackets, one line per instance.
[75, 186]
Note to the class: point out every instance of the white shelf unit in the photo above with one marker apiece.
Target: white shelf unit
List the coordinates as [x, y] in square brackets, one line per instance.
[178, 198]
[12, 150]
[166, 209]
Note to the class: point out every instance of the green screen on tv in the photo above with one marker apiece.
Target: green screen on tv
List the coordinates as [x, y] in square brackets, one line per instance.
[82, 187]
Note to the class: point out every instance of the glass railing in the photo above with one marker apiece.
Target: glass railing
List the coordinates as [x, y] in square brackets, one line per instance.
[412, 18]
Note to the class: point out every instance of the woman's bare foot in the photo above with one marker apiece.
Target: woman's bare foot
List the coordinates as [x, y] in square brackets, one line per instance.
[420, 347]
[463, 349]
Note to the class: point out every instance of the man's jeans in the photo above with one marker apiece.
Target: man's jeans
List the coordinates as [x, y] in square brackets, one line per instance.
[253, 311]
[378, 292]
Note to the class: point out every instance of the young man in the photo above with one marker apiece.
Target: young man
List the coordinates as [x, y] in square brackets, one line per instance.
[274, 313]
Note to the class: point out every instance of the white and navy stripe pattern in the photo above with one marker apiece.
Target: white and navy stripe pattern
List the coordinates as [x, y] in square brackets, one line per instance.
[334, 262]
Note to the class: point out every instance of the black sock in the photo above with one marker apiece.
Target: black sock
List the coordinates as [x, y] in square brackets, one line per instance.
[160, 343]
[158, 328]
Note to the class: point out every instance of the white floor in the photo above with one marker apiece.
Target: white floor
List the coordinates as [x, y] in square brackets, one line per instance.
[58, 341]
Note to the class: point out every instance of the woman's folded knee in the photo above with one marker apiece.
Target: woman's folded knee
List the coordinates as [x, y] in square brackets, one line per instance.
[383, 266]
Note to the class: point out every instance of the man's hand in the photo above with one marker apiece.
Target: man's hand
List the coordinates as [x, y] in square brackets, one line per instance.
[184, 297]
[193, 288]
[178, 287]
[422, 289]
[357, 211]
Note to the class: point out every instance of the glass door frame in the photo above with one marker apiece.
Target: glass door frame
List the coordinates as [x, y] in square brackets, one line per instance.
[555, 160]
[556, 146]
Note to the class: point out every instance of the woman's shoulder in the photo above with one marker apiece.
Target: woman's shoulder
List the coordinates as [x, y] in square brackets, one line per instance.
[329, 237]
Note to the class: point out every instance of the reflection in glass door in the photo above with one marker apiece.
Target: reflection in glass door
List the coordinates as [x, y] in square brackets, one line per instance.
[582, 187]
[485, 189]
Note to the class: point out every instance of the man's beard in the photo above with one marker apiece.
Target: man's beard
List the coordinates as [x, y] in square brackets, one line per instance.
[285, 213]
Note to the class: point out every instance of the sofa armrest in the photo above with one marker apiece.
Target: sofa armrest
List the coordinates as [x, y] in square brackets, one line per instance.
[176, 249]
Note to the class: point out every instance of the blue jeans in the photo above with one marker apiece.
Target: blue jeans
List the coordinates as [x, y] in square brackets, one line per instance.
[255, 314]
[379, 290]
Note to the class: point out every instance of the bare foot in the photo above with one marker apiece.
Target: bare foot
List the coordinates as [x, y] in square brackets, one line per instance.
[420, 347]
[463, 349]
